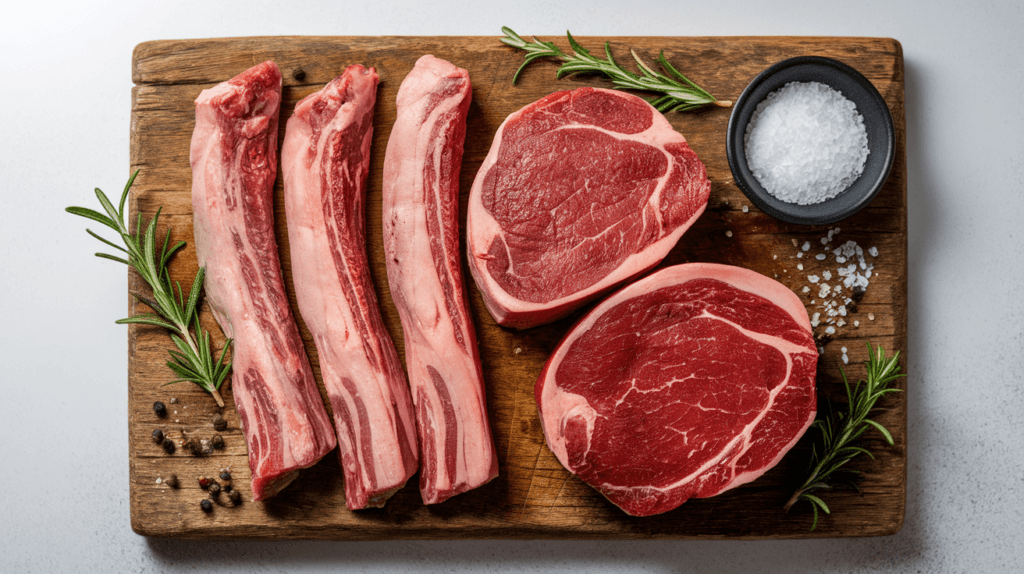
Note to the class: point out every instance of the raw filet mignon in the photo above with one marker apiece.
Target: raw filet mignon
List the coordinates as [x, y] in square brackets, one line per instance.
[689, 382]
[581, 191]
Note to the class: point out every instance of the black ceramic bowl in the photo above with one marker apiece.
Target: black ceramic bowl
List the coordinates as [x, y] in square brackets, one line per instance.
[877, 120]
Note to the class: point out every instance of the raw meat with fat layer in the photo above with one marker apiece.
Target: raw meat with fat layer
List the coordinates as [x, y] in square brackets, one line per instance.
[421, 245]
[687, 383]
[581, 191]
[234, 164]
[325, 159]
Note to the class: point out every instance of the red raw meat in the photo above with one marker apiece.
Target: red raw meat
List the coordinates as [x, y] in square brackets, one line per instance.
[581, 191]
[325, 159]
[421, 243]
[689, 382]
[234, 164]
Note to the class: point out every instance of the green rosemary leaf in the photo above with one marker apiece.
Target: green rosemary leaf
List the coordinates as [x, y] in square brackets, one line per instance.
[819, 502]
[124, 195]
[170, 253]
[112, 258]
[193, 380]
[93, 215]
[107, 206]
[145, 320]
[182, 371]
[512, 39]
[885, 432]
[172, 311]
[679, 93]
[839, 431]
[108, 242]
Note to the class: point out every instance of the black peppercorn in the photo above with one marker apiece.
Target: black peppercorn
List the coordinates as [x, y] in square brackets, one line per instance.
[191, 446]
[206, 505]
[158, 436]
[219, 423]
[168, 445]
[172, 481]
[160, 409]
[217, 441]
[299, 74]
[858, 293]
[214, 488]
[235, 497]
[225, 475]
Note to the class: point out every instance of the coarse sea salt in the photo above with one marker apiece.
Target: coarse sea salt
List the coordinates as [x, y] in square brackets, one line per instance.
[806, 143]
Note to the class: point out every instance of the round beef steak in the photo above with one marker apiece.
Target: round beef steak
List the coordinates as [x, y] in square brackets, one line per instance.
[581, 191]
[687, 383]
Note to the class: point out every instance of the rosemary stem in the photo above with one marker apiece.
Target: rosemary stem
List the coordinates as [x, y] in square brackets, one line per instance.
[792, 500]
[220, 400]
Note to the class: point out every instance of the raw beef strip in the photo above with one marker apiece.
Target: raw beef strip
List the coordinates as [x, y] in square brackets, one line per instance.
[692, 381]
[325, 159]
[581, 191]
[421, 243]
[234, 164]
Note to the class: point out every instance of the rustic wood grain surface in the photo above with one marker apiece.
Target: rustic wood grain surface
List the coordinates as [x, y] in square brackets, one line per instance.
[534, 497]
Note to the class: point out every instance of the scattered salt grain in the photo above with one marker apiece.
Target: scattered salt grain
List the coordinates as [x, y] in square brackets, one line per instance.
[826, 274]
[820, 257]
[873, 252]
[806, 143]
[728, 233]
[806, 246]
[871, 316]
[856, 323]
[813, 278]
[799, 254]
[800, 266]
[745, 209]
[830, 330]
[806, 289]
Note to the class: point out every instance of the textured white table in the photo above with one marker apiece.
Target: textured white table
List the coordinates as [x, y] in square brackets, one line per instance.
[63, 431]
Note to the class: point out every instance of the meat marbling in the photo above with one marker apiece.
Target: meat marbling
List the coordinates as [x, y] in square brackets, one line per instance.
[689, 382]
[234, 165]
[421, 243]
[325, 159]
[581, 191]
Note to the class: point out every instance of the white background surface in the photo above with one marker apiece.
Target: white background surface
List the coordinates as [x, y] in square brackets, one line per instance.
[63, 422]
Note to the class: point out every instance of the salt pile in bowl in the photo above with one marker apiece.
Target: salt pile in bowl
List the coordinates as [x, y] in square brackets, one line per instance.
[806, 143]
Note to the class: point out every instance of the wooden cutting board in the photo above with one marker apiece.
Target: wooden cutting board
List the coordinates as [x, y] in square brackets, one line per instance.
[534, 497]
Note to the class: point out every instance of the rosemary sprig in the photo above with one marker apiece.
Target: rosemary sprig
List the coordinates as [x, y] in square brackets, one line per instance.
[679, 94]
[194, 360]
[840, 430]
